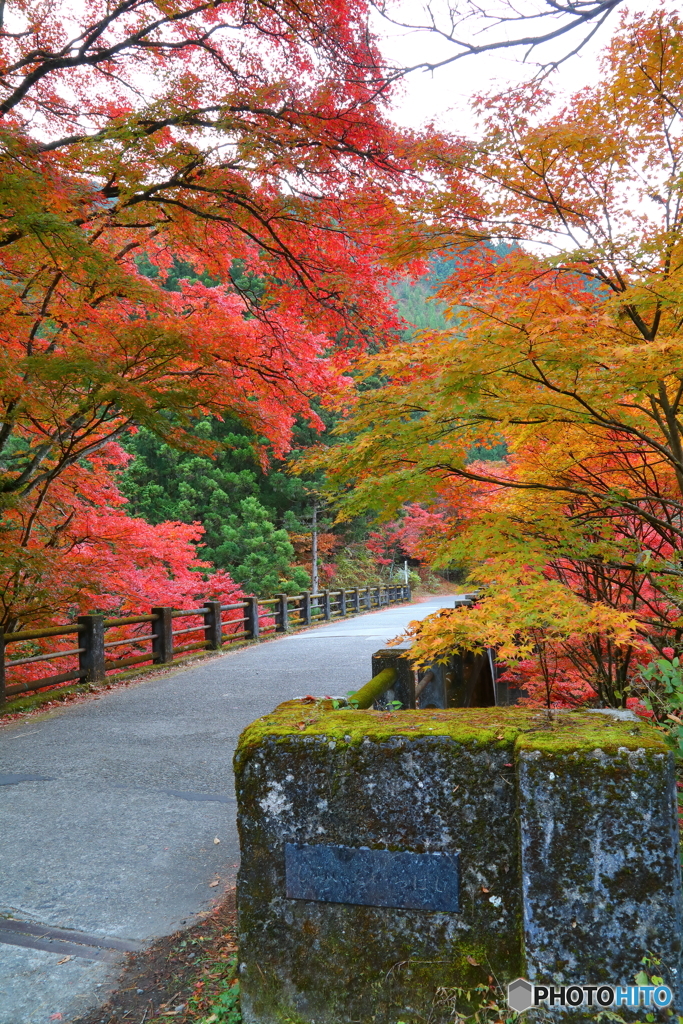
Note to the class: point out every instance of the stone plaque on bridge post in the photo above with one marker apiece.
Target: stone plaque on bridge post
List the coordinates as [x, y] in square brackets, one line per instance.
[393, 860]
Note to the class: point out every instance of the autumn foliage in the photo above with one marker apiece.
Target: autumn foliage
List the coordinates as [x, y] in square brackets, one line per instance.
[136, 136]
[565, 347]
[250, 145]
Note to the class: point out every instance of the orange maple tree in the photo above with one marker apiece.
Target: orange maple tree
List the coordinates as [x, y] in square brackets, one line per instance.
[565, 348]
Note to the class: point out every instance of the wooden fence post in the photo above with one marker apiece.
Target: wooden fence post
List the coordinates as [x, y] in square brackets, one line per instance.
[283, 613]
[213, 626]
[3, 695]
[368, 598]
[342, 602]
[356, 600]
[327, 605]
[91, 639]
[162, 630]
[306, 607]
[251, 614]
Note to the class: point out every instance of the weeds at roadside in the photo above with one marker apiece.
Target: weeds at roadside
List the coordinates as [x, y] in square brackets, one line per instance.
[188, 978]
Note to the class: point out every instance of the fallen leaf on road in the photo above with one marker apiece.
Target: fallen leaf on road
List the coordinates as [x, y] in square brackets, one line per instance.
[56, 1016]
[63, 961]
[211, 884]
[216, 840]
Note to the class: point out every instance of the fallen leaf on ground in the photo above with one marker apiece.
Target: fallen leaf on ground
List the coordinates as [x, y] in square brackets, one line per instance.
[211, 884]
[216, 840]
[56, 1016]
[64, 960]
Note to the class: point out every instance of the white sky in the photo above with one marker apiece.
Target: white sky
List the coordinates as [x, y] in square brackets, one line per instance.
[444, 95]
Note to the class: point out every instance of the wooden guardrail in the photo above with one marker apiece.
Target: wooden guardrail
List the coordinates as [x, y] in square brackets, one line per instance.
[163, 634]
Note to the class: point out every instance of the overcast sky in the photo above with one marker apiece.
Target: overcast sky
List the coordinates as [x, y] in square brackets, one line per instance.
[444, 96]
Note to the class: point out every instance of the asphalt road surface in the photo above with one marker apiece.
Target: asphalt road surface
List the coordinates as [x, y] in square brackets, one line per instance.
[109, 809]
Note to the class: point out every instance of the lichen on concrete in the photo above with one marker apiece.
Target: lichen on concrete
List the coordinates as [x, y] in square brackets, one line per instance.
[468, 781]
[600, 866]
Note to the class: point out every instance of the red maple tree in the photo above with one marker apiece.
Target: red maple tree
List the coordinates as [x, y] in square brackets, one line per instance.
[139, 136]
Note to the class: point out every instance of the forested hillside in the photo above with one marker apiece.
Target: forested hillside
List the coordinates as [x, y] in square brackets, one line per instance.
[249, 504]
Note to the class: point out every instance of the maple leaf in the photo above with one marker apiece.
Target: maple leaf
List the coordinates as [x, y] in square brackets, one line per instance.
[259, 159]
[568, 367]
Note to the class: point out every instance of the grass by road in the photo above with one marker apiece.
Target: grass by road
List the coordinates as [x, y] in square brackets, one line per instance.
[189, 977]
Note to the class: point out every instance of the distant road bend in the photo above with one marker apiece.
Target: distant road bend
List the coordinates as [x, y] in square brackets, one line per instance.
[110, 808]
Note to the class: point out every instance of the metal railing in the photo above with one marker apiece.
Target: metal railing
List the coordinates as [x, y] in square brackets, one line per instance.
[99, 648]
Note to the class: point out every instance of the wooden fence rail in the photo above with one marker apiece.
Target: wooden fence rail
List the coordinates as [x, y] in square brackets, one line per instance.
[153, 638]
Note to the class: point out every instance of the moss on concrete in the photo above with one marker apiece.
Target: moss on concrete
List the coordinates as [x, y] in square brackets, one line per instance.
[31, 701]
[551, 732]
[422, 781]
[600, 853]
[310, 773]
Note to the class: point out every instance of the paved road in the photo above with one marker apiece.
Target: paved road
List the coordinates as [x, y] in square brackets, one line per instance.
[109, 809]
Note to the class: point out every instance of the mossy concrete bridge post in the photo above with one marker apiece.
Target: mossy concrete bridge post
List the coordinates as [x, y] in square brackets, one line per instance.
[549, 842]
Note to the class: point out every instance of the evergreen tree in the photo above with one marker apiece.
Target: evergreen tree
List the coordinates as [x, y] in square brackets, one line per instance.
[260, 555]
[163, 483]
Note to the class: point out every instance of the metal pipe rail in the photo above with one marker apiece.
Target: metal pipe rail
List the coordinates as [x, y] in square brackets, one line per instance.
[378, 685]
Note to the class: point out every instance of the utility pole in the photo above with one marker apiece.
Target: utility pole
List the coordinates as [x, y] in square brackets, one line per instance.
[314, 546]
